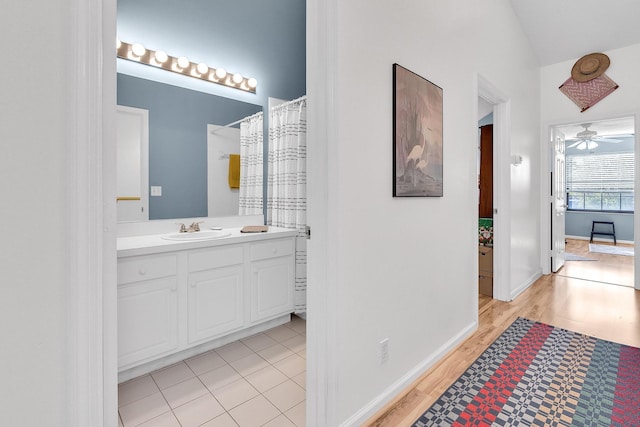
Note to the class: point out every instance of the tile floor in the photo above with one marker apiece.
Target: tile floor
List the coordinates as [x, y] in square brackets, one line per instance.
[257, 381]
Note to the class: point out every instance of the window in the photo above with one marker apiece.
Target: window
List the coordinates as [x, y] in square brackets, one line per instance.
[600, 182]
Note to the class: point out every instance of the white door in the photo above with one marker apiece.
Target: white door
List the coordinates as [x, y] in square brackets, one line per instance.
[558, 201]
[132, 163]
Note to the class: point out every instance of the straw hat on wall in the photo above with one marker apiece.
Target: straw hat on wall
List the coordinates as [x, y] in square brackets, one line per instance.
[589, 67]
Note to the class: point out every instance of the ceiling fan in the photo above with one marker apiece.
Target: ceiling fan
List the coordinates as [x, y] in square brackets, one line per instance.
[588, 139]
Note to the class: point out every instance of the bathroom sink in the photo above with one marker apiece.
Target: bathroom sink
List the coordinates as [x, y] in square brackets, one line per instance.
[197, 235]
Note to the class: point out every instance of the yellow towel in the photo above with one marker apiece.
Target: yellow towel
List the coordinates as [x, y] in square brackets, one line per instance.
[234, 170]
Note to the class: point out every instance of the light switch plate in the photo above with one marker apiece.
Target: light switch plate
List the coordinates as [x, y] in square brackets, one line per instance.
[156, 190]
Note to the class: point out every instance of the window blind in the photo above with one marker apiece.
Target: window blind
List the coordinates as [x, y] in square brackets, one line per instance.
[600, 172]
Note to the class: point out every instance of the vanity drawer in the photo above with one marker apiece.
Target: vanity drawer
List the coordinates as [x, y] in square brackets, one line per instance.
[207, 259]
[271, 249]
[137, 269]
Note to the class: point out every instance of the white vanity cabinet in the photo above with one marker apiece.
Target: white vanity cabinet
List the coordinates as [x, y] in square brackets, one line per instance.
[215, 292]
[179, 300]
[272, 278]
[148, 299]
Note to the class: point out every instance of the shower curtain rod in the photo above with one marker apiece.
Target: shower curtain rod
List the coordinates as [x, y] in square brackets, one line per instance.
[293, 101]
[237, 121]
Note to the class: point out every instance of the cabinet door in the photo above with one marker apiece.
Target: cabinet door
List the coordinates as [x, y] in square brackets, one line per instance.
[272, 286]
[215, 302]
[147, 319]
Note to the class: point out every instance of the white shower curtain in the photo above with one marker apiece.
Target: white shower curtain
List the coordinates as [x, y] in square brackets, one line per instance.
[251, 170]
[287, 182]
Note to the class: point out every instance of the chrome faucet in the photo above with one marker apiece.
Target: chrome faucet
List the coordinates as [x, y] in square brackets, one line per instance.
[195, 226]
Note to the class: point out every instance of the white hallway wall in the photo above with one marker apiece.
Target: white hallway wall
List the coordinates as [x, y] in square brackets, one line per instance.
[33, 133]
[556, 108]
[406, 268]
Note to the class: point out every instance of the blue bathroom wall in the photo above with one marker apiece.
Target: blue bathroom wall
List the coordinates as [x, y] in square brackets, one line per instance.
[264, 39]
[579, 224]
[486, 120]
[178, 121]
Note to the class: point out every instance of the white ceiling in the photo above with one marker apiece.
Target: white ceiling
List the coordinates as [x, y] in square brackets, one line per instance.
[561, 30]
[605, 128]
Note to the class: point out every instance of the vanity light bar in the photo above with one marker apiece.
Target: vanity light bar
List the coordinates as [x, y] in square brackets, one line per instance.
[181, 65]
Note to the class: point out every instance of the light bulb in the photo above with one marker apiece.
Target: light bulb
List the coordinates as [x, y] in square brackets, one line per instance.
[118, 43]
[161, 56]
[183, 62]
[237, 78]
[202, 68]
[221, 73]
[138, 50]
[252, 83]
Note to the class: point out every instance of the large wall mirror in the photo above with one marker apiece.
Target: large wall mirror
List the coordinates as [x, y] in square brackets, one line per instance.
[264, 39]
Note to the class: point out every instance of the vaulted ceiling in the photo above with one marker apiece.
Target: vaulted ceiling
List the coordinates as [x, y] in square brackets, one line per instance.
[561, 30]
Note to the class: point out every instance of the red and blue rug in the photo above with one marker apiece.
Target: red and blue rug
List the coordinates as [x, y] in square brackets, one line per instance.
[539, 375]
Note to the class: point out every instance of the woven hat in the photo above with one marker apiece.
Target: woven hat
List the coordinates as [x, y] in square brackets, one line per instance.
[589, 67]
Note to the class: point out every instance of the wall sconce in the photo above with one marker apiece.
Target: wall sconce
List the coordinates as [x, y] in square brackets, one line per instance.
[516, 159]
[181, 65]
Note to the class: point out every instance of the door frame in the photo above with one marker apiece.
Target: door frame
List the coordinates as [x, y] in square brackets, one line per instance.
[501, 188]
[545, 183]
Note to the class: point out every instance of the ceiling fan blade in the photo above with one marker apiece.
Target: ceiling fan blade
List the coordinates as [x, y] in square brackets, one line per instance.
[613, 141]
[574, 144]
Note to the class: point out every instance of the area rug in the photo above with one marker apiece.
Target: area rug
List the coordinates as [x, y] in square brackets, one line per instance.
[612, 250]
[539, 375]
[568, 256]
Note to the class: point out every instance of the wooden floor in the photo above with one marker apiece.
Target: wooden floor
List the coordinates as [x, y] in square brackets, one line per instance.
[606, 268]
[591, 307]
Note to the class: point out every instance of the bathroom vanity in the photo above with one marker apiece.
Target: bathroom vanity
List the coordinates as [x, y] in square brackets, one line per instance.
[180, 298]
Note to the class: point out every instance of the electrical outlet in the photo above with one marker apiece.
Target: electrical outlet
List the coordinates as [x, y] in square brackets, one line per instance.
[384, 351]
[156, 190]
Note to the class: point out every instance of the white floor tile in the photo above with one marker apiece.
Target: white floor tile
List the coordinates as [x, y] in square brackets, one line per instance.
[205, 362]
[135, 389]
[301, 380]
[299, 325]
[266, 378]
[219, 377]
[249, 364]
[143, 410]
[198, 411]
[235, 394]
[297, 414]
[223, 420]
[296, 344]
[165, 420]
[186, 391]
[280, 421]
[292, 365]
[259, 341]
[234, 351]
[275, 353]
[255, 412]
[281, 333]
[172, 375]
[303, 353]
[286, 395]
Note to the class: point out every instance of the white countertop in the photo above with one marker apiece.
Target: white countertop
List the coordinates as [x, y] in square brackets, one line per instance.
[154, 243]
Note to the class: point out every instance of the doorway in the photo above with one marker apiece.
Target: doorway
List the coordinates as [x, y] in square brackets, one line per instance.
[485, 202]
[494, 100]
[599, 196]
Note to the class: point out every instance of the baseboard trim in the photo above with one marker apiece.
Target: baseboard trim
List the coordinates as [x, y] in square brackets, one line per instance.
[369, 410]
[525, 285]
[599, 239]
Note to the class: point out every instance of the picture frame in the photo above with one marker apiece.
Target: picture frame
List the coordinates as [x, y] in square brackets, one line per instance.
[417, 135]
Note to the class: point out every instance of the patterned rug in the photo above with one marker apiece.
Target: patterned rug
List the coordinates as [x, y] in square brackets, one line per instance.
[539, 375]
